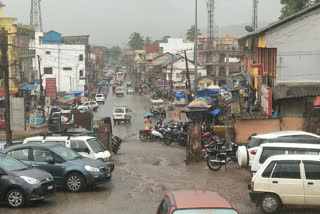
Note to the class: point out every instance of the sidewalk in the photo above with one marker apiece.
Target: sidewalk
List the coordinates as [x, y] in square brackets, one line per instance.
[18, 135]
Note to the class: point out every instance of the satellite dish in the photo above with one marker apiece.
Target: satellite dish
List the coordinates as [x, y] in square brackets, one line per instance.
[249, 29]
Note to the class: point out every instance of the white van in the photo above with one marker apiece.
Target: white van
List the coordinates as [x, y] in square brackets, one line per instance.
[246, 154]
[283, 180]
[87, 146]
[271, 149]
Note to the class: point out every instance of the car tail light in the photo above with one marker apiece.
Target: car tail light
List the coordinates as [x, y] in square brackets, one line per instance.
[254, 152]
[252, 185]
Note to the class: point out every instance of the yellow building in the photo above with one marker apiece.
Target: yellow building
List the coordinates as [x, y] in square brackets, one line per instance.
[8, 24]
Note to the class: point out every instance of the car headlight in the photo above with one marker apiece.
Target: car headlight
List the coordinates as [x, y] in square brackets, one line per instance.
[30, 180]
[91, 169]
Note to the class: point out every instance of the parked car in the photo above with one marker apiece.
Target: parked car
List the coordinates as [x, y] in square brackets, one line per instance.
[100, 98]
[87, 146]
[119, 91]
[287, 180]
[89, 105]
[130, 90]
[271, 149]
[20, 183]
[3, 144]
[247, 154]
[67, 167]
[186, 201]
[121, 113]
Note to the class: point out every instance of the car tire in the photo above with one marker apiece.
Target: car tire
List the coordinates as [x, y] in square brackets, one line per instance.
[270, 203]
[75, 182]
[95, 109]
[15, 198]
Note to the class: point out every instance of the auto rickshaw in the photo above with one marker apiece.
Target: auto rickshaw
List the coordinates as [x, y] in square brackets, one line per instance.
[158, 107]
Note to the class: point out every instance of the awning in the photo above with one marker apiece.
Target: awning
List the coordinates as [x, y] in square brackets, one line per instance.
[10, 92]
[75, 92]
[28, 87]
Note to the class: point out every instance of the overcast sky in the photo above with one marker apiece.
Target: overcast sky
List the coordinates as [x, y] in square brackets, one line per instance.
[110, 22]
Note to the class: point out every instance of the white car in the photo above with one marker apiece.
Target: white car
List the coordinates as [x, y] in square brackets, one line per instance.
[90, 105]
[121, 113]
[87, 146]
[283, 180]
[100, 98]
[246, 154]
[119, 91]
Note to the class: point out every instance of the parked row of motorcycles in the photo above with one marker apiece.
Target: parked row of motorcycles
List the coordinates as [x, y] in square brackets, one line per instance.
[217, 151]
[168, 133]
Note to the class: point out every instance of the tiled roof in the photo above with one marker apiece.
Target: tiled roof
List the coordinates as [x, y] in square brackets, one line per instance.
[295, 90]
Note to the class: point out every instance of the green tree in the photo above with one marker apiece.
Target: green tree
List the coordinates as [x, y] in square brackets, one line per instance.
[293, 6]
[148, 40]
[191, 33]
[136, 41]
[115, 52]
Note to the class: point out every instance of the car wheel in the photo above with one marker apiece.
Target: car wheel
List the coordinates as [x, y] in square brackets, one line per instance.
[75, 182]
[270, 203]
[95, 109]
[15, 198]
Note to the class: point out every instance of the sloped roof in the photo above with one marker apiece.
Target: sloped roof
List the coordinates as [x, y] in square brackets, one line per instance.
[295, 90]
[171, 60]
[160, 59]
[281, 22]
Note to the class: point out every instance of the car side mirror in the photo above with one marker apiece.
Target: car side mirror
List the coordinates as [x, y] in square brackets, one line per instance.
[50, 160]
[2, 172]
[87, 150]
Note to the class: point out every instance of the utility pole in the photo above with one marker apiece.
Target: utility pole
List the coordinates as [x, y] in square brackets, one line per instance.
[5, 70]
[196, 48]
[41, 87]
[188, 76]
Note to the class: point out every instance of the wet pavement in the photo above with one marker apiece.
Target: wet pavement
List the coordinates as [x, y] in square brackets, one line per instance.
[144, 172]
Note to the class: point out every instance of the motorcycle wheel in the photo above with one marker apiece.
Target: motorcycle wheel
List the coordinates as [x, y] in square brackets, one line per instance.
[167, 141]
[215, 166]
[143, 137]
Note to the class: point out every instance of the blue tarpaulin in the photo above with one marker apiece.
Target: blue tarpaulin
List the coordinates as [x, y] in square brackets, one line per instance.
[179, 96]
[28, 87]
[206, 92]
[216, 112]
[76, 92]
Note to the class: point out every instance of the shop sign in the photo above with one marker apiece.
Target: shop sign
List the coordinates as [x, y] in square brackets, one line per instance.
[51, 88]
[48, 101]
[266, 99]
[177, 115]
[33, 120]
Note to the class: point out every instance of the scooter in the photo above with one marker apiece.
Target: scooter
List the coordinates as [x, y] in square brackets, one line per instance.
[151, 135]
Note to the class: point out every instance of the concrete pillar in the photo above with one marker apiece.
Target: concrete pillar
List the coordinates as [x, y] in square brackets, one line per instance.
[194, 147]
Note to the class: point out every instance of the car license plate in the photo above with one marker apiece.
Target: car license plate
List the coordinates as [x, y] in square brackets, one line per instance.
[50, 187]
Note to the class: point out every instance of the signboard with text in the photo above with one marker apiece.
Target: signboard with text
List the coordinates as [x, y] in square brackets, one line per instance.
[51, 88]
[266, 99]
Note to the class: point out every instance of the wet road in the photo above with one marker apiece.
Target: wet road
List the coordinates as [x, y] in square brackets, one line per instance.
[144, 172]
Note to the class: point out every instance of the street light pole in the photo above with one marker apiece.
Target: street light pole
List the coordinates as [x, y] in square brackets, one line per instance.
[196, 47]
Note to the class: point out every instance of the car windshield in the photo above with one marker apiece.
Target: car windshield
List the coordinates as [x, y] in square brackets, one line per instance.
[99, 95]
[66, 153]
[206, 211]
[11, 164]
[119, 110]
[255, 142]
[96, 145]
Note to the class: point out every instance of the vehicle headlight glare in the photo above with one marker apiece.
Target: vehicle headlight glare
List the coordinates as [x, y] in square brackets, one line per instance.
[30, 180]
[91, 169]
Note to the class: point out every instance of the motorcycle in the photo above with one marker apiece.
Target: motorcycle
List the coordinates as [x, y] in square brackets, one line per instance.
[116, 143]
[151, 135]
[219, 158]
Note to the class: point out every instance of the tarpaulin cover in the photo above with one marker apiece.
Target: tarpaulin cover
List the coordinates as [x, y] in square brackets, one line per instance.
[216, 112]
[179, 96]
[76, 92]
[28, 87]
[206, 92]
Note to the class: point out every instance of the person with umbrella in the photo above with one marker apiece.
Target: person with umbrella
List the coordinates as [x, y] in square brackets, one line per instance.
[148, 121]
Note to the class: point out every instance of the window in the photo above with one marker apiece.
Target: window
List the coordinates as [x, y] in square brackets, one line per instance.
[302, 152]
[48, 52]
[165, 207]
[34, 142]
[78, 145]
[81, 73]
[56, 142]
[268, 152]
[119, 110]
[41, 155]
[21, 154]
[267, 172]
[67, 69]
[47, 70]
[287, 169]
[81, 57]
[312, 170]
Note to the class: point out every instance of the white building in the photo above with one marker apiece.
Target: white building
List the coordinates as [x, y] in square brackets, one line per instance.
[65, 63]
[179, 71]
[177, 46]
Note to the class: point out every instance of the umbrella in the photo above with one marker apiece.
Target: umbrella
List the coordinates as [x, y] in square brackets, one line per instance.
[148, 115]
